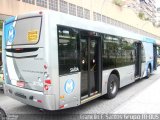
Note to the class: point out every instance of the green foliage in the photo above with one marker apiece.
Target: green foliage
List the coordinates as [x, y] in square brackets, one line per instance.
[118, 2]
[147, 18]
[1, 24]
[141, 15]
[0, 43]
[127, 47]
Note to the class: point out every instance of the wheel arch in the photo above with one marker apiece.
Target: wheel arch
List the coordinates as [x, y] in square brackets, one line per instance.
[149, 65]
[115, 72]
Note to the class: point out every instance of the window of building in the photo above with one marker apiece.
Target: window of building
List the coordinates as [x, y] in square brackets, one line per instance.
[104, 19]
[68, 50]
[42, 3]
[79, 11]
[86, 14]
[96, 16]
[72, 9]
[63, 6]
[29, 1]
[109, 20]
[158, 9]
[53, 5]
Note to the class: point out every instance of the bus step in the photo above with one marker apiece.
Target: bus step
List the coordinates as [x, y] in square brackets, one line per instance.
[90, 98]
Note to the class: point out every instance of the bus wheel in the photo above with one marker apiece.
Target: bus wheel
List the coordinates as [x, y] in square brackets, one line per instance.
[148, 72]
[3, 115]
[112, 86]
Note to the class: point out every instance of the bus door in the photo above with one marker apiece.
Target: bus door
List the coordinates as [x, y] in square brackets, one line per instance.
[154, 57]
[90, 65]
[138, 59]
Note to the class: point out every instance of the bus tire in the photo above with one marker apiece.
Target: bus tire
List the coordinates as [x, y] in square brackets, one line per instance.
[148, 72]
[3, 115]
[112, 86]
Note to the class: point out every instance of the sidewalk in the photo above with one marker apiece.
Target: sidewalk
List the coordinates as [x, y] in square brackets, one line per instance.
[147, 101]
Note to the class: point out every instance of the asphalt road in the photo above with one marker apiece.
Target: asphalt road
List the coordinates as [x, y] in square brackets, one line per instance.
[20, 111]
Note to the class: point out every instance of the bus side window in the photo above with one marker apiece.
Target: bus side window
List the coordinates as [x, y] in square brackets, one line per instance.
[68, 50]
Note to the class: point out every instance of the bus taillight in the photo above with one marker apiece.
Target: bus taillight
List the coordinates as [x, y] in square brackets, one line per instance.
[45, 66]
[62, 106]
[47, 82]
[46, 87]
[40, 101]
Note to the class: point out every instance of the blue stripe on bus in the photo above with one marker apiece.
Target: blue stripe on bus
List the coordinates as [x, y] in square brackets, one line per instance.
[8, 26]
[11, 19]
[149, 40]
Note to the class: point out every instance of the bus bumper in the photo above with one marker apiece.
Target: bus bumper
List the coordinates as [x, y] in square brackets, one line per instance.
[30, 97]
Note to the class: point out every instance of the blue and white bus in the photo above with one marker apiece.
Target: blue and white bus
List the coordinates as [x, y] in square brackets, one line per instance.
[55, 61]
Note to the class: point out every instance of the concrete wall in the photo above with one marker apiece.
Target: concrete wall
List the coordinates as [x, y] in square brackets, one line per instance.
[16, 7]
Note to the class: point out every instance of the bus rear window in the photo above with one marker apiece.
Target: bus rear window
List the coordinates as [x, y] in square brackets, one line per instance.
[24, 31]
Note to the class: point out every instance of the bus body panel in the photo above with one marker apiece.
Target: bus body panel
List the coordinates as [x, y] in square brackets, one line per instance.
[105, 76]
[25, 96]
[70, 90]
[33, 68]
[126, 75]
[51, 48]
[148, 47]
[24, 53]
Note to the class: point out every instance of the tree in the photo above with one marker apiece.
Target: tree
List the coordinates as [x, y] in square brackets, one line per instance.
[118, 2]
[1, 24]
[141, 15]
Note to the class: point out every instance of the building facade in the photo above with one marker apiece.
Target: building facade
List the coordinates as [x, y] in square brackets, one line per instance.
[157, 15]
[148, 8]
[97, 10]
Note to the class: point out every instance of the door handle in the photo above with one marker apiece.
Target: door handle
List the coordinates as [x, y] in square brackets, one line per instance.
[93, 61]
[83, 61]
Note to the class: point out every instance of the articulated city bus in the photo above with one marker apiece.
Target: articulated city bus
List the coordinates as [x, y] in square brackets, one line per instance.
[55, 61]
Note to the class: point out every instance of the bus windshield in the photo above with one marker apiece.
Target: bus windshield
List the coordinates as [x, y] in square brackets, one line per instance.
[17, 34]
